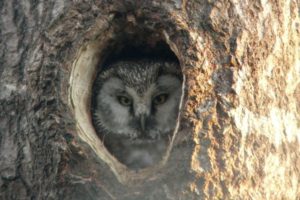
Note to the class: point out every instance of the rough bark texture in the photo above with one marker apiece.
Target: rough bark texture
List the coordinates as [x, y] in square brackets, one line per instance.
[240, 114]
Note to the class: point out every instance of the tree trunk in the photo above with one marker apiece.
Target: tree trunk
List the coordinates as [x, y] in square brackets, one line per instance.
[239, 127]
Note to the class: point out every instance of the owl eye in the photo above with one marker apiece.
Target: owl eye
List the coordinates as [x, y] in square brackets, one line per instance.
[160, 99]
[123, 100]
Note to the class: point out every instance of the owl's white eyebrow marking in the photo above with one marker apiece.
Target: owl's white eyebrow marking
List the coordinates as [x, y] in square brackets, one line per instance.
[142, 100]
[167, 83]
[122, 92]
[113, 84]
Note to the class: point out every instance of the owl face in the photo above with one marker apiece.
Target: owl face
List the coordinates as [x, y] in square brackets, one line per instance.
[138, 100]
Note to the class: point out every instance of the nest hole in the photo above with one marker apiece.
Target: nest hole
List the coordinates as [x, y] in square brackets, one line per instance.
[133, 146]
[97, 57]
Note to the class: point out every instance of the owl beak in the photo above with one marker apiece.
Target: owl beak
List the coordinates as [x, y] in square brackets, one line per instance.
[143, 120]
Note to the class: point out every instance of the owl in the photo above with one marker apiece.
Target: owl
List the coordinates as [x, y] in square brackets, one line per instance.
[135, 108]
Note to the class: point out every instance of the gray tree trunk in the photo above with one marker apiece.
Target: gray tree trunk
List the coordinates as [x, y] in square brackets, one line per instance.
[239, 130]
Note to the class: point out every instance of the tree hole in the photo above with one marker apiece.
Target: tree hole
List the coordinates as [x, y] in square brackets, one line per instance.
[135, 99]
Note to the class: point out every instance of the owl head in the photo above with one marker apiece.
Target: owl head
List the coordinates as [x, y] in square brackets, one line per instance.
[137, 99]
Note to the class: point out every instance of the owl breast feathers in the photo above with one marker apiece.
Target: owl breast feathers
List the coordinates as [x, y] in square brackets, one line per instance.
[136, 103]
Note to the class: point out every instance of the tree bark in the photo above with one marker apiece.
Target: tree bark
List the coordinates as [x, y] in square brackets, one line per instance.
[239, 130]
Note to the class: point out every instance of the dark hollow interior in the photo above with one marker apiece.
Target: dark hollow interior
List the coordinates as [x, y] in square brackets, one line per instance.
[136, 50]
